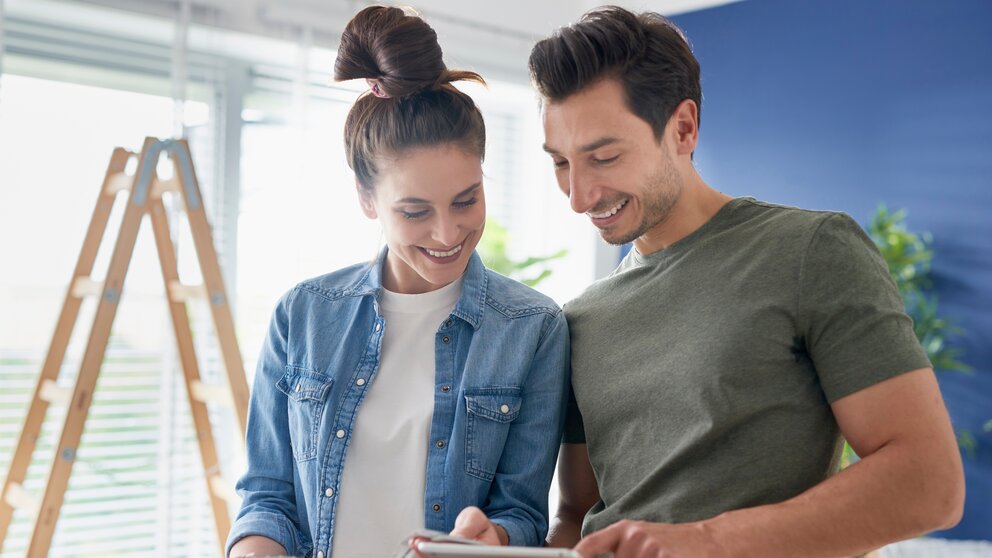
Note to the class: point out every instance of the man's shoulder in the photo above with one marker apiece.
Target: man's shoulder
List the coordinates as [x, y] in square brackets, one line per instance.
[779, 217]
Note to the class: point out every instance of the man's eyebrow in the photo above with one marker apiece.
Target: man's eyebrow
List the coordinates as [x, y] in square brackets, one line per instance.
[593, 146]
[421, 201]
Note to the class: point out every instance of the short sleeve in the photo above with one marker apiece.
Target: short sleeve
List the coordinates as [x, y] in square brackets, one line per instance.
[856, 327]
[575, 431]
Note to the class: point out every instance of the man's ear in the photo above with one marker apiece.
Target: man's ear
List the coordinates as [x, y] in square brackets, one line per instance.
[366, 200]
[685, 121]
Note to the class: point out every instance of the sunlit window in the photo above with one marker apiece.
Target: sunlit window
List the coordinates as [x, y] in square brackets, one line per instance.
[265, 127]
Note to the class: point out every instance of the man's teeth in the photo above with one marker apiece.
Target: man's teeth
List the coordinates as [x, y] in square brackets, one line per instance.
[609, 213]
[451, 252]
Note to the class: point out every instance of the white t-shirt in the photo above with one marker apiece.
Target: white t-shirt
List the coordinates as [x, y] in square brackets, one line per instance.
[381, 496]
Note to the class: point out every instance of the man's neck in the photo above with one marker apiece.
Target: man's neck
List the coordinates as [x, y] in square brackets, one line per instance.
[696, 206]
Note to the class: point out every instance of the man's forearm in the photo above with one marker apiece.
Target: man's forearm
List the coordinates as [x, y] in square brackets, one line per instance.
[894, 494]
[565, 530]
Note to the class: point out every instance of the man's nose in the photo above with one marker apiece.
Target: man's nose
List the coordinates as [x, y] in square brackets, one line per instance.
[583, 194]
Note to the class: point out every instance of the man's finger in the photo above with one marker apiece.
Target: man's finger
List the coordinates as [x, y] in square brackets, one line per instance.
[601, 542]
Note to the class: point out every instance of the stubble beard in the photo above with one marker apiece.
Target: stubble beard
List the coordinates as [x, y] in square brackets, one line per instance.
[661, 193]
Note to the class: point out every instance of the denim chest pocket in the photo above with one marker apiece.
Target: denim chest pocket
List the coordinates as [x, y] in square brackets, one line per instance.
[490, 411]
[306, 390]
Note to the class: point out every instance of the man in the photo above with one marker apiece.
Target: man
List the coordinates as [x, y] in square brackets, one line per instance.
[715, 371]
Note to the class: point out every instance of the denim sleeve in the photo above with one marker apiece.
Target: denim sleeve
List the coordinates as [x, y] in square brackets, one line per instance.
[269, 505]
[518, 498]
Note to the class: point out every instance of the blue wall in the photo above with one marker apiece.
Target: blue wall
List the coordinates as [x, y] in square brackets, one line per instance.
[845, 104]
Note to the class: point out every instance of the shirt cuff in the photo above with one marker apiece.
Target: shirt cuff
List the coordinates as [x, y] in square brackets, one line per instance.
[266, 524]
[514, 533]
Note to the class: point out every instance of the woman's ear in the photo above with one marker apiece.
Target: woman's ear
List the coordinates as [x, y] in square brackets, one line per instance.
[366, 200]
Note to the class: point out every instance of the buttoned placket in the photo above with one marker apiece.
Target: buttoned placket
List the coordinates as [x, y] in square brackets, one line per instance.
[445, 403]
[344, 421]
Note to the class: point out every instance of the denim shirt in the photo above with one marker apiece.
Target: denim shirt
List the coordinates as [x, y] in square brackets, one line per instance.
[501, 379]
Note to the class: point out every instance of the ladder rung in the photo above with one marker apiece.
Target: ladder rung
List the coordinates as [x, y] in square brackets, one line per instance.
[119, 181]
[181, 293]
[84, 286]
[209, 393]
[20, 499]
[159, 187]
[223, 489]
[54, 393]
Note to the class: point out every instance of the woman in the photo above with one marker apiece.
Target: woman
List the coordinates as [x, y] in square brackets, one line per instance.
[391, 397]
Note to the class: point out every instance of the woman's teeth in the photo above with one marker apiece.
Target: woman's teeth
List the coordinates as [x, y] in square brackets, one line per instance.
[451, 252]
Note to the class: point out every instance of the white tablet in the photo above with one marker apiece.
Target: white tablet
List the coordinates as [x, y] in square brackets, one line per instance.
[449, 550]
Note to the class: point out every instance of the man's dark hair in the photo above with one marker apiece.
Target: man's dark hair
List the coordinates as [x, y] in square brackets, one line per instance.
[648, 54]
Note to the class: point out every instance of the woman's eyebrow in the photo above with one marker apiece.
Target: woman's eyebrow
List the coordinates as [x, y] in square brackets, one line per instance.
[422, 201]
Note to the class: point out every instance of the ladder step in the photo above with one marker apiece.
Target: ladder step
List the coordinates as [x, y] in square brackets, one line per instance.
[223, 489]
[159, 187]
[119, 181]
[54, 393]
[209, 393]
[84, 287]
[20, 499]
[181, 293]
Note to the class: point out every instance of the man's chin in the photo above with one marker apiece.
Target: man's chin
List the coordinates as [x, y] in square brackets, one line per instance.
[617, 239]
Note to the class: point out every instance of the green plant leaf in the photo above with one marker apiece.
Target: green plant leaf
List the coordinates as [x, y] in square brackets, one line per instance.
[493, 249]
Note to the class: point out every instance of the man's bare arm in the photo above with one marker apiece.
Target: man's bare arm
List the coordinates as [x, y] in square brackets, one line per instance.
[908, 482]
[577, 492]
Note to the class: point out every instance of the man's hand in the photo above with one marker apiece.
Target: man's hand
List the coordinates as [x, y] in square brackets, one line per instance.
[642, 539]
[472, 523]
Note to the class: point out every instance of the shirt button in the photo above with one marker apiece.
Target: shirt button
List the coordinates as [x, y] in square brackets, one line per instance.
[439, 443]
[339, 433]
[329, 492]
[299, 387]
[436, 507]
[446, 339]
[360, 381]
[504, 408]
[447, 323]
[378, 327]
[320, 554]
[445, 389]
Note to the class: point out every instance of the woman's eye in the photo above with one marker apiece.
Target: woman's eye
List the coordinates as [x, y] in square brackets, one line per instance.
[466, 203]
[413, 214]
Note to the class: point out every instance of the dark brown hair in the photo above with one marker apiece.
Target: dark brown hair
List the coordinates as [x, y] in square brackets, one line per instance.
[420, 107]
[646, 52]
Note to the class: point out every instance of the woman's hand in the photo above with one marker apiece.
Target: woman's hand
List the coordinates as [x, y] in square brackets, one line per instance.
[473, 524]
[256, 545]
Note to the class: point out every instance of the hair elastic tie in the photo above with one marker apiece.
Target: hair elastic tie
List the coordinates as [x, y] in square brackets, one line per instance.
[376, 88]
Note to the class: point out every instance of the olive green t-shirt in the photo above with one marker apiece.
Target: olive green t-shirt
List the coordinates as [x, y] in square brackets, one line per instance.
[702, 374]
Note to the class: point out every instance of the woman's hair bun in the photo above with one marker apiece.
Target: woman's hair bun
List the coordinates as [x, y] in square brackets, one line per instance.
[389, 45]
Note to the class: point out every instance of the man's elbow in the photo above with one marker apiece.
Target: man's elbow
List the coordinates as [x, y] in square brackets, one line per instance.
[953, 507]
[946, 505]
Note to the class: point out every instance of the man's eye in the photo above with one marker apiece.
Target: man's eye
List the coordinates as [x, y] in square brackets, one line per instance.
[560, 164]
[413, 214]
[605, 161]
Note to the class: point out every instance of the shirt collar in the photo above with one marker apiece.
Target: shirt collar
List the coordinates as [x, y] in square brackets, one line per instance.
[470, 304]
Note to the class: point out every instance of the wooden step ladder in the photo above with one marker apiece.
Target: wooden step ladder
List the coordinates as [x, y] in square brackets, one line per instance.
[145, 197]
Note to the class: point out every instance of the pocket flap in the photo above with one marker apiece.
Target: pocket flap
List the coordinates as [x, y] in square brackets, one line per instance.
[303, 384]
[498, 404]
